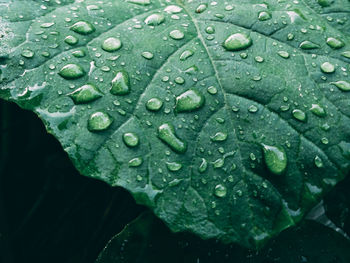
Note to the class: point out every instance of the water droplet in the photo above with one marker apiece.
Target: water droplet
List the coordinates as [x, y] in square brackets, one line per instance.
[346, 54]
[318, 162]
[71, 40]
[166, 133]
[189, 101]
[120, 84]
[237, 41]
[135, 162]
[263, 16]
[335, 43]
[176, 34]
[324, 140]
[318, 110]
[140, 2]
[172, 9]
[71, 71]
[147, 55]
[219, 137]
[212, 90]
[342, 85]
[253, 108]
[85, 94]
[179, 80]
[99, 121]
[79, 53]
[154, 19]
[275, 159]
[154, 104]
[299, 115]
[210, 30]
[203, 166]
[327, 67]
[283, 54]
[82, 28]
[27, 53]
[201, 8]
[186, 54]
[111, 44]
[220, 190]
[219, 163]
[173, 166]
[130, 139]
[308, 45]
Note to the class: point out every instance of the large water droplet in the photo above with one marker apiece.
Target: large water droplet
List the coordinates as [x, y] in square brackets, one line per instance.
[154, 104]
[318, 110]
[220, 190]
[176, 34]
[237, 41]
[263, 16]
[342, 85]
[85, 94]
[166, 133]
[275, 159]
[154, 19]
[71, 71]
[120, 84]
[173, 166]
[172, 9]
[327, 67]
[135, 162]
[130, 139]
[99, 121]
[335, 43]
[111, 44]
[299, 115]
[346, 54]
[219, 137]
[189, 101]
[308, 45]
[82, 28]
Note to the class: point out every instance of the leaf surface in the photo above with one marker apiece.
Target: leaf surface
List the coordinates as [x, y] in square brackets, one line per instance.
[229, 120]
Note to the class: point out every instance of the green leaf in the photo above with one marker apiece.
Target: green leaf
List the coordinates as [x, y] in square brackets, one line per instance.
[227, 120]
[147, 240]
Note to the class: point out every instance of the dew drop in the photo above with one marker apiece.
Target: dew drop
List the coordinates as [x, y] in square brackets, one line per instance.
[27, 53]
[335, 43]
[130, 139]
[176, 34]
[219, 137]
[308, 45]
[327, 67]
[275, 159]
[85, 94]
[342, 85]
[173, 166]
[166, 133]
[283, 54]
[203, 166]
[154, 104]
[154, 19]
[237, 41]
[71, 71]
[78, 53]
[346, 54]
[212, 90]
[189, 101]
[135, 162]
[120, 84]
[172, 9]
[147, 55]
[140, 2]
[318, 110]
[99, 121]
[210, 30]
[318, 162]
[201, 8]
[220, 190]
[186, 54]
[263, 16]
[299, 115]
[82, 28]
[111, 44]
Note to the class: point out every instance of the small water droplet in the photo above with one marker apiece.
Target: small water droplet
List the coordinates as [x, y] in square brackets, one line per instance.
[79, 53]
[154, 104]
[346, 54]
[342, 85]
[335, 43]
[85, 94]
[99, 121]
[308, 45]
[220, 190]
[173, 166]
[318, 162]
[176, 34]
[120, 84]
[327, 67]
[71, 71]
[172, 9]
[83, 28]
[189, 101]
[212, 90]
[201, 8]
[27, 53]
[71, 40]
[111, 44]
[203, 166]
[237, 41]
[130, 139]
[299, 115]
[210, 30]
[166, 132]
[135, 162]
[275, 159]
[263, 16]
[219, 137]
[186, 54]
[154, 19]
[318, 110]
[147, 55]
[283, 54]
